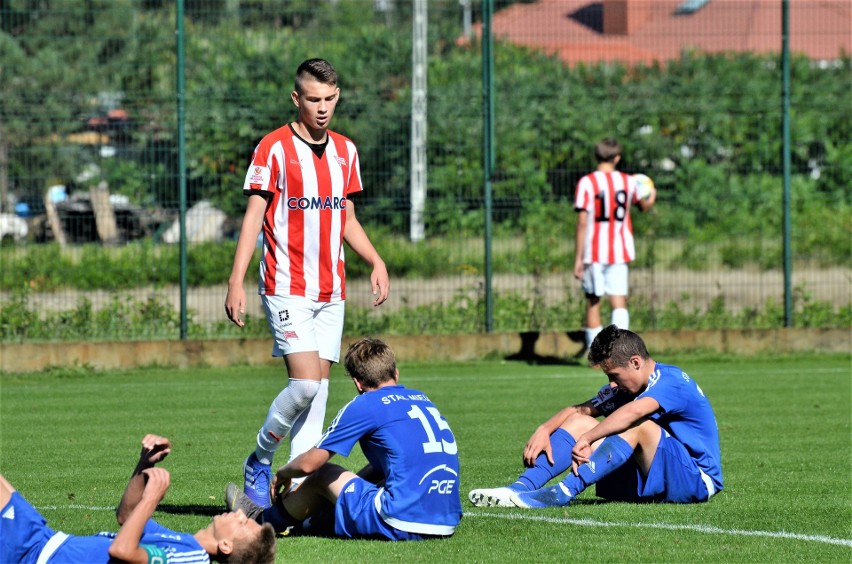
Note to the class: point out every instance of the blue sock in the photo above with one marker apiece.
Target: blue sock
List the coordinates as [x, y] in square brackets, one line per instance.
[561, 443]
[278, 517]
[611, 454]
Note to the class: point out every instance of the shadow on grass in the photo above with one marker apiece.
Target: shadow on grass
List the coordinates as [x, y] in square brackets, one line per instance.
[527, 353]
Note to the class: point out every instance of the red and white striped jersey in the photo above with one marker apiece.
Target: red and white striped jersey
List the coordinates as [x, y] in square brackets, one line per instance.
[607, 197]
[305, 214]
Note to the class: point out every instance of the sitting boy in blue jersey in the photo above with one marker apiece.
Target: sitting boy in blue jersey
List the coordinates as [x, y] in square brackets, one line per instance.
[231, 537]
[408, 490]
[658, 440]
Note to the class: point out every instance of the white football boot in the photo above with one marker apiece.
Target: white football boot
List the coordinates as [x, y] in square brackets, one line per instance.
[492, 497]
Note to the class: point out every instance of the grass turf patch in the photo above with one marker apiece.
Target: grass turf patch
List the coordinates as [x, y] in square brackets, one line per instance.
[70, 439]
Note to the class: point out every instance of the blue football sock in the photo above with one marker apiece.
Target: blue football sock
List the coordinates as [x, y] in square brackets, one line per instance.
[278, 517]
[611, 454]
[561, 443]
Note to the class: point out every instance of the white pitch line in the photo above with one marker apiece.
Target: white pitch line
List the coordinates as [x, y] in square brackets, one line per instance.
[671, 527]
[112, 509]
[84, 507]
[592, 523]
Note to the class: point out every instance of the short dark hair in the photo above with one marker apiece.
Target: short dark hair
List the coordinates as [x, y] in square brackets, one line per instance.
[259, 551]
[607, 149]
[319, 69]
[613, 347]
[371, 362]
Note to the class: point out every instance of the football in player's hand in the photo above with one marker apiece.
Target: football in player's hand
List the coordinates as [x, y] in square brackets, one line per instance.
[644, 185]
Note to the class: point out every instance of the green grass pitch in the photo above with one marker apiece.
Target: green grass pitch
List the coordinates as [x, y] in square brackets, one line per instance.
[69, 439]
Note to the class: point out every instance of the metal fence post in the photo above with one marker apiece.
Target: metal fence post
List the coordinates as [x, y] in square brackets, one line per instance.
[785, 148]
[181, 131]
[488, 149]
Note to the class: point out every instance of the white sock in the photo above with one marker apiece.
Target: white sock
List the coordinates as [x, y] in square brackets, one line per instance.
[309, 426]
[591, 333]
[621, 318]
[285, 409]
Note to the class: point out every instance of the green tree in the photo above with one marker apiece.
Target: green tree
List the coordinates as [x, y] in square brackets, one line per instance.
[64, 63]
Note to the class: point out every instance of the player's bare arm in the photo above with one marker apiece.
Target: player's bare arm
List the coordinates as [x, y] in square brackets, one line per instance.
[580, 240]
[357, 239]
[646, 204]
[6, 491]
[540, 440]
[154, 449]
[125, 547]
[306, 463]
[619, 421]
[235, 300]
[303, 465]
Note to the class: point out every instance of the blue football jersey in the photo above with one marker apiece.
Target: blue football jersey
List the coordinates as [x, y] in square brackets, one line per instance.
[404, 436]
[177, 547]
[685, 413]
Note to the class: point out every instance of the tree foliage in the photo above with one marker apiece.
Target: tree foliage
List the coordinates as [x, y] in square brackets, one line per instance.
[706, 128]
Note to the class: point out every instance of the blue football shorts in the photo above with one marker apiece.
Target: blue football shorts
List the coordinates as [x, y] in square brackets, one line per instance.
[356, 516]
[674, 477]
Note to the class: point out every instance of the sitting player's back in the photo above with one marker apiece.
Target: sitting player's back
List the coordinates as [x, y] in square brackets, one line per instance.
[406, 439]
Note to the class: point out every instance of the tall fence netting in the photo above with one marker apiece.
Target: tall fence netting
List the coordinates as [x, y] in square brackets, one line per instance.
[90, 173]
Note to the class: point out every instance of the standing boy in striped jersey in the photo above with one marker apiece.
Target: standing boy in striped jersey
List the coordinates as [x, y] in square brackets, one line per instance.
[604, 239]
[299, 185]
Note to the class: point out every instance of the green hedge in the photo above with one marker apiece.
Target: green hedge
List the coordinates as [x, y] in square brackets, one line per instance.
[154, 318]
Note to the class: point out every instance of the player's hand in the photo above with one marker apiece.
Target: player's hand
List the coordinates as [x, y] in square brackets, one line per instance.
[380, 283]
[579, 269]
[652, 198]
[580, 453]
[235, 304]
[154, 449]
[279, 487]
[157, 482]
[539, 442]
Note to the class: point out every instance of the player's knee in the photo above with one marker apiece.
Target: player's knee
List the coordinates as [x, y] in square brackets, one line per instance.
[645, 435]
[328, 473]
[578, 423]
[303, 392]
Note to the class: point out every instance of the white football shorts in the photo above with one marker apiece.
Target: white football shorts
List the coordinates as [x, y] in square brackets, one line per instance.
[609, 279]
[301, 325]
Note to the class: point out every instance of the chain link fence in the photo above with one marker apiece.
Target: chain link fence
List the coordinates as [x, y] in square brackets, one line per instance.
[91, 179]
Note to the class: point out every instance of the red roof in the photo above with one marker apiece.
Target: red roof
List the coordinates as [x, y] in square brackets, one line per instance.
[574, 29]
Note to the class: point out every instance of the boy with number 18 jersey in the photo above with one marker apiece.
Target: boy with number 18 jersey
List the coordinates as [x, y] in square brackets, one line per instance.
[604, 245]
